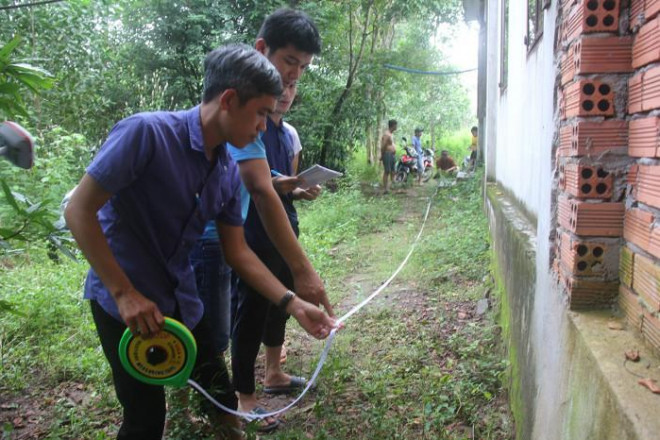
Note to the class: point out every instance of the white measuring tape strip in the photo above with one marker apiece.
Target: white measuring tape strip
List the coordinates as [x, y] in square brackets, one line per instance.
[328, 342]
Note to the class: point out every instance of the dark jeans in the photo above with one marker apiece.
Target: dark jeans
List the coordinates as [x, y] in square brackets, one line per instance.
[213, 278]
[144, 405]
[256, 320]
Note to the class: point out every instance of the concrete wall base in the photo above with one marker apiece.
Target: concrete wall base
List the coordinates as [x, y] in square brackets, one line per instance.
[568, 379]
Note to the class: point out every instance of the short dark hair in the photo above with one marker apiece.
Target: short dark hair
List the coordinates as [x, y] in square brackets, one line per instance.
[242, 68]
[288, 26]
[475, 128]
[391, 123]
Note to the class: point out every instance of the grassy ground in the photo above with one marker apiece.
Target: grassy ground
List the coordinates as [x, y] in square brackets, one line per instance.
[417, 362]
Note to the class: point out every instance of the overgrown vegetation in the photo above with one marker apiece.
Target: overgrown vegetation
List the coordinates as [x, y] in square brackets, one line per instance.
[417, 363]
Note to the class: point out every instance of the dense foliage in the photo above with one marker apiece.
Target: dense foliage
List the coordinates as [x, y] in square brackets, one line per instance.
[69, 70]
[110, 59]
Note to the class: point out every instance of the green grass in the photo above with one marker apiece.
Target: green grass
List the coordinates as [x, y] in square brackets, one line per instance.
[457, 144]
[404, 367]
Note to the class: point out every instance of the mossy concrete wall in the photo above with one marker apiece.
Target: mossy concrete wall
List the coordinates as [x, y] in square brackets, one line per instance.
[568, 380]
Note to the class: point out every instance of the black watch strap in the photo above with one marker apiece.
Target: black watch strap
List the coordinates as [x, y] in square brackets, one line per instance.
[286, 299]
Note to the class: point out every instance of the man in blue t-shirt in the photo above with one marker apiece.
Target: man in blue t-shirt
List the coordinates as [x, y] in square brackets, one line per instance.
[417, 144]
[143, 202]
[289, 39]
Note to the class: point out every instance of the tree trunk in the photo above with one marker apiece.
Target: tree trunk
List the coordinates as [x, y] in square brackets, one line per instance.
[353, 65]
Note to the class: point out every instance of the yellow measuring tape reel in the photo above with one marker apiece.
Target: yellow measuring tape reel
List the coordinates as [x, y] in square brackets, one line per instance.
[167, 358]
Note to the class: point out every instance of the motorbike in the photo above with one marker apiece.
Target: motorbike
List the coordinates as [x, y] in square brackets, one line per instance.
[407, 165]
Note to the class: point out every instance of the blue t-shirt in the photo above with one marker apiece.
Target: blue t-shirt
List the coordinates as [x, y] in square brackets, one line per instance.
[417, 143]
[254, 150]
[164, 192]
[279, 153]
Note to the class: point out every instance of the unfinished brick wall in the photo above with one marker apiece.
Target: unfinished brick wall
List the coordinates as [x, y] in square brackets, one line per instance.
[608, 158]
[639, 292]
[595, 63]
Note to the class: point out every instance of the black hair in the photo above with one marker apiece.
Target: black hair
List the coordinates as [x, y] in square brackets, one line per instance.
[391, 123]
[287, 26]
[242, 68]
[475, 128]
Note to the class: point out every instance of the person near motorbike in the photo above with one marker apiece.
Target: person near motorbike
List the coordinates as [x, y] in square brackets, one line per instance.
[446, 164]
[417, 143]
[387, 152]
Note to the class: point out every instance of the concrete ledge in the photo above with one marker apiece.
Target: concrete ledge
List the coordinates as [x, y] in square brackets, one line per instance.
[622, 408]
[568, 379]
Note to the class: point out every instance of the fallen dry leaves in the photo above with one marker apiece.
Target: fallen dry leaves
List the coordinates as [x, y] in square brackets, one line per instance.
[632, 355]
[615, 325]
[650, 384]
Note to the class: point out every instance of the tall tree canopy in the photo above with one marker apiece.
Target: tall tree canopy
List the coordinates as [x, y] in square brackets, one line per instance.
[110, 59]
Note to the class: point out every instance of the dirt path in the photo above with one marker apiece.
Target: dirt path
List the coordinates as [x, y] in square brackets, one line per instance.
[353, 400]
[420, 361]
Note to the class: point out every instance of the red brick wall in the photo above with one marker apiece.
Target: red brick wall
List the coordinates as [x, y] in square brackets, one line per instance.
[639, 295]
[595, 61]
[608, 159]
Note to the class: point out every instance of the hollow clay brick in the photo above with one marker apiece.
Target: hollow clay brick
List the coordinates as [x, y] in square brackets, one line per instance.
[651, 329]
[591, 219]
[584, 181]
[644, 137]
[648, 185]
[626, 261]
[642, 11]
[571, 25]
[644, 91]
[646, 281]
[652, 8]
[566, 140]
[587, 294]
[584, 258]
[632, 174]
[654, 242]
[632, 309]
[636, 12]
[603, 55]
[651, 89]
[646, 49]
[635, 94]
[591, 16]
[567, 67]
[637, 227]
[589, 97]
[594, 138]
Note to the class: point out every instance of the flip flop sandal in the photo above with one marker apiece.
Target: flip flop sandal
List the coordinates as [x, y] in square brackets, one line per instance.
[295, 384]
[264, 426]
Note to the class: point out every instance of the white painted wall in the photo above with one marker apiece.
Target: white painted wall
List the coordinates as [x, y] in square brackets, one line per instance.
[521, 132]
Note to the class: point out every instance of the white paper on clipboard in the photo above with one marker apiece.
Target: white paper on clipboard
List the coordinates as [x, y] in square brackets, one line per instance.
[316, 175]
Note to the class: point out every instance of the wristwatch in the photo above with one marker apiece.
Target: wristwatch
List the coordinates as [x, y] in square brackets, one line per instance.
[286, 299]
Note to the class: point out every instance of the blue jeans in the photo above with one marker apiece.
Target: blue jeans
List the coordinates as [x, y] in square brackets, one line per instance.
[213, 277]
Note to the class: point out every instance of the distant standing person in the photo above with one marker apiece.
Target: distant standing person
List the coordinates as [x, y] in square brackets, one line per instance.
[417, 144]
[387, 153]
[473, 147]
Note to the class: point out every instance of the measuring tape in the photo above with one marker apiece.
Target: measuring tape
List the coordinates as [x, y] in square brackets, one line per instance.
[166, 358]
